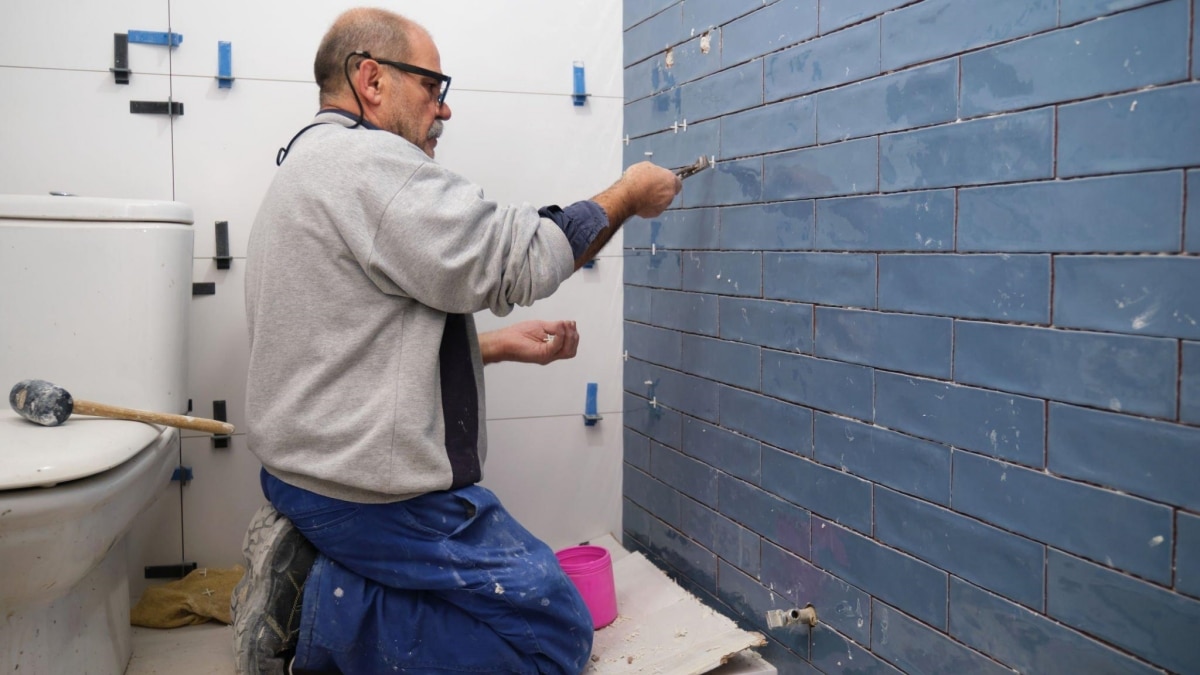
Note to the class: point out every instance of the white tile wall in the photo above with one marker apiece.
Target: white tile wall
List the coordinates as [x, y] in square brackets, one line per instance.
[514, 132]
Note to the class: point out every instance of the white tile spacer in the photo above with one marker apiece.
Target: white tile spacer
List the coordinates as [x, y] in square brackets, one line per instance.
[653, 249]
[626, 139]
[625, 356]
[677, 127]
[654, 403]
[648, 153]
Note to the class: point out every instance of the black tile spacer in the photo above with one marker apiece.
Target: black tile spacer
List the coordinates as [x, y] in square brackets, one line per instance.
[204, 288]
[120, 69]
[222, 257]
[220, 440]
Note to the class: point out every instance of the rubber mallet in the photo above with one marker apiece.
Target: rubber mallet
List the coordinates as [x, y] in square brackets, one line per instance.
[49, 405]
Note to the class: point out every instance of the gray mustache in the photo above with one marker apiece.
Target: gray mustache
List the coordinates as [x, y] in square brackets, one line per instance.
[435, 131]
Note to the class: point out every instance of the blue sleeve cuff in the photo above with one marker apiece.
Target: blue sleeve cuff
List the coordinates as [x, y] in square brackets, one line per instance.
[581, 222]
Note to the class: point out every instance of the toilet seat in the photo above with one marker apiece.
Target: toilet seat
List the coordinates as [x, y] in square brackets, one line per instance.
[35, 456]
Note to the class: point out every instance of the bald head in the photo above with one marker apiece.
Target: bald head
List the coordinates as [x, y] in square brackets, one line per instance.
[382, 33]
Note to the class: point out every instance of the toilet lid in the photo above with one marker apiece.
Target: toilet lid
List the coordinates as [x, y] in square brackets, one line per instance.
[32, 455]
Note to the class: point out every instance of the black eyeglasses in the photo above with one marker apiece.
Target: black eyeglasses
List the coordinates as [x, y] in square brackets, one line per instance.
[443, 80]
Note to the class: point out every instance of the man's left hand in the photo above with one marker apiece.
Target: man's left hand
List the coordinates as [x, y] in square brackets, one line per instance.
[533, 341]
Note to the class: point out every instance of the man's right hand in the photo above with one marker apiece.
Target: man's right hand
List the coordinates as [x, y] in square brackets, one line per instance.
[651, 188]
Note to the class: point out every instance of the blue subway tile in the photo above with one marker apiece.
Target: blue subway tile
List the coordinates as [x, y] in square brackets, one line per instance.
[1191, 227]
[675, 229]
[829, 278]
[778, 325]
[1187, 554]
[752, 600]
[734, 454]
[1189, 384]
[1027, 641]
[768, 227]
[915, 648]
[781, 424]
[934, 28]
[838, 604]
[771, 128]
[660, 270]
[1074, 11]
[721, 360]
[697, 57]
[780, 521]
[903, 342]
[845, 56]
[912, 98]
[655, 345]
[653, 114]
[648, 77]
[1118, 372]
[659, 423]
[635, 523]
[692, 312]
[1156, 460]
[653, 35]
[683, 554]
[699, 15]
[825, 385]
[768, 29]
[1002, 287]
[637, 303]
[1100, 524]
[886, 457]
[655, 496]
[1119, 214]
[1154, 623]
[891, 576]
[916, 221]
[689, 477]
[738, 88]
[1195, 43]
[734, 182]
[1154, 129]
[736, 544]
[1143, 295]
[837, 496]
[827, 171]
[678, 391]
[674, 149]
[992, 558]
[636, 449]
[838, 13]
[723, 272]
[833, 653]
[994, 150]
[1000, 425]
[637, 11]
[1135, 49]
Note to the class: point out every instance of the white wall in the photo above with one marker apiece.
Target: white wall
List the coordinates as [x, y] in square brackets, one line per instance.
[66, 127]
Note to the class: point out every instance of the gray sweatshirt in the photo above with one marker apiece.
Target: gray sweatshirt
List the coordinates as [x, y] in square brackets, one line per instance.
[360, 251]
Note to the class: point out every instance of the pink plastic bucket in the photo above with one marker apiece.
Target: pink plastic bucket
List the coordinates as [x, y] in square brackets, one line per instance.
[590, 567]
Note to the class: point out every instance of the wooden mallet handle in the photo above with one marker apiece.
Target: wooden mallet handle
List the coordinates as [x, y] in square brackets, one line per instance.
[181, 421]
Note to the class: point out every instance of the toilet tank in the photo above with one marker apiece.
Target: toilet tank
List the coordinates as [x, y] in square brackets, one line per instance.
[94, 297]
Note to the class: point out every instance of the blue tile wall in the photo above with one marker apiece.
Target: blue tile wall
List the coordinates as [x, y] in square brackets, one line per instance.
[901, 342]
[927, 30]
[916, 648]
[986, 556]
[1154, 129]
[994, 150]
[905, 100]
[901, 462]
[779, 325]
[1117, 214]
[1118, 372]
[1100, 524]
[1000, 287]
[992, 423]
[1187, 554]
[1026, 640]
[1148, 458]
[1149, 621]
[915, 221]
[1142, 296]
[929, 327]
[1135, 49]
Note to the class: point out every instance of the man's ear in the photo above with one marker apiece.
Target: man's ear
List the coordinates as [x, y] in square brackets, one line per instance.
[367, 80]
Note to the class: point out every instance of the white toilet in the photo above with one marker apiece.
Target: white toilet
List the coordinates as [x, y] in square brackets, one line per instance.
[94, 297]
